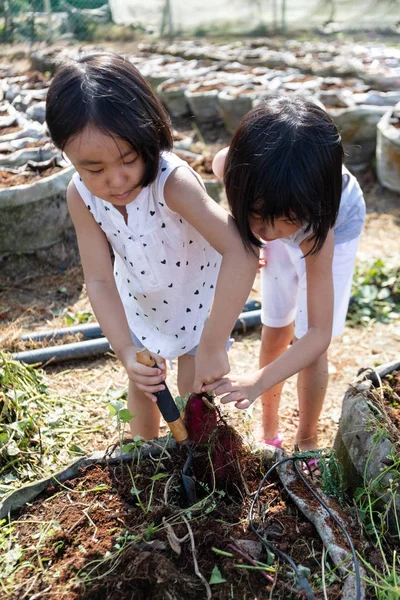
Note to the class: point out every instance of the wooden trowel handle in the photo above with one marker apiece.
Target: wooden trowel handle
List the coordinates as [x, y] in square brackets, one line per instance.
[165, 401]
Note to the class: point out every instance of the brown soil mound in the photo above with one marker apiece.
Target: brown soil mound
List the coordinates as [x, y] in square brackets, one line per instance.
[123, 532]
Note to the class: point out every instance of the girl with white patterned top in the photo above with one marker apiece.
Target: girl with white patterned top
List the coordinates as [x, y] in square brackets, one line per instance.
[181, 273]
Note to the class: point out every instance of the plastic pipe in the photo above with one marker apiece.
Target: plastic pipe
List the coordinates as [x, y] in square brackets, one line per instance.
[94, 347]
[65, 352]
[91, 331]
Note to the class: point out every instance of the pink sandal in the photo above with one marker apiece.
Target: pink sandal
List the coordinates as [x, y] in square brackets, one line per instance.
[277, 441]
[311, 468]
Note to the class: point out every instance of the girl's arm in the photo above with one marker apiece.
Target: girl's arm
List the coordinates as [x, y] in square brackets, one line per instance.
[103, 294]
[244, 390]
[185, 196]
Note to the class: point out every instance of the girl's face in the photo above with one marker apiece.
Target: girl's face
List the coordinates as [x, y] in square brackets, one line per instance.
[108, 166]
[281, 228]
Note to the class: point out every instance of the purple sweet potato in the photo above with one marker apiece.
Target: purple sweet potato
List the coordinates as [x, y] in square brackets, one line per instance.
[200, 419]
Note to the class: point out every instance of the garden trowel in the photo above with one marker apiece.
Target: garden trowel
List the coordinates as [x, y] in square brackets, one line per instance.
[170, 413]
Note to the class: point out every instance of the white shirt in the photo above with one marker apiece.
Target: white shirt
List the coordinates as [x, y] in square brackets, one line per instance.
[165, 271]
[351, 216]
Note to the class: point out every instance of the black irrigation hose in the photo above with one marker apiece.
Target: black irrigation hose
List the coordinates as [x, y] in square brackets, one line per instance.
[302, 581]
[93, 347]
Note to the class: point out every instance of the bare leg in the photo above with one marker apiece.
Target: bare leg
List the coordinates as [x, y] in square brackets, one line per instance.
[312, 383]
[146, 421]
[274, 342]
[185, 374]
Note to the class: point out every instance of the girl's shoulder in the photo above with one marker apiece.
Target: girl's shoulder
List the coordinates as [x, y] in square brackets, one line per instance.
[81, 188]
[169, 162]
[351, 190]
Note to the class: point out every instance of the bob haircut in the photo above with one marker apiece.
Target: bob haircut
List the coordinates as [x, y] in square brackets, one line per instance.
[107, 91]
[285, 161]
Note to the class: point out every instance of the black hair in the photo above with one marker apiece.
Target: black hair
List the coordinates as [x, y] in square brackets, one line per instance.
[285, 161]
[107, 91]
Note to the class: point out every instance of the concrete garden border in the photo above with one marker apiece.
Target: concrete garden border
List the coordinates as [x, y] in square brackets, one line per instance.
[388, 152]
[34, 215]
[29, 492]
[360, 451]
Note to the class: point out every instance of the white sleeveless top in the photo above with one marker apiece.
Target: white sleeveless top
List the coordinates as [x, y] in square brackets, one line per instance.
[164, 269]
[351, 216]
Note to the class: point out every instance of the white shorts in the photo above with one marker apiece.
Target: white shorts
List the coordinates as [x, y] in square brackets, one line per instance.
[284, 287]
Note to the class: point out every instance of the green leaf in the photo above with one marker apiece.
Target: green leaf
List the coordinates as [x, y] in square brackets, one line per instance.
[124, 415]
[222, 552]
[216, 576]
[128, 447]
[84, 316]
[181, 402]
[3, 438]
[69, 319]
[111, 409]
[77, 449]
[115, 407]
[158, 476]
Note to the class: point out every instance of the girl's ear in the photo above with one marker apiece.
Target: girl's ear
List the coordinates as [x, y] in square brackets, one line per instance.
[219, 163]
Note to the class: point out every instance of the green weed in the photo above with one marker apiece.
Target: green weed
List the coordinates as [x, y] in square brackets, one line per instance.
[375, 294]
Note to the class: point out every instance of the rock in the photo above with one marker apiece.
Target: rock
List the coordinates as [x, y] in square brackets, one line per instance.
[250, 547]
[363, 448]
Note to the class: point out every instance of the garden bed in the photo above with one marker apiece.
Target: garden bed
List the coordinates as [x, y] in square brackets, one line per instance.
[13, 177]
[123, 531]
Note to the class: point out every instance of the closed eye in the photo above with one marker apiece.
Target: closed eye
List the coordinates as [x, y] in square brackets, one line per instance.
[99, 171]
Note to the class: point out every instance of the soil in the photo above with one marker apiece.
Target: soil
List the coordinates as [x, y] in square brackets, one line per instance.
[208, 88]
[10, 179]
[202, 165]
[181, 84]
[90, 539]
[37, 144]
[11, 129]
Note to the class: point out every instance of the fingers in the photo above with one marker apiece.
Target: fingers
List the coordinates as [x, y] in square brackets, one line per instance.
[243, 404]
[198, 386]
[239, 397]
[159, 361]
[147, 379]
[151, 397]
[215, 386]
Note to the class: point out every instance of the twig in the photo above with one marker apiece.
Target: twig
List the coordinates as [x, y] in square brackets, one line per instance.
[42, 593]
[246, 489]
[162, 448]
[323, 573]
[196, 566]
[166, 488]
[273, 586]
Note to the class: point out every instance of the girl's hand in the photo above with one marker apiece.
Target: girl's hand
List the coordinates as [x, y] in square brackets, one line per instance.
[240, 390]
[210, 366]
[147, 379]
[261, 262]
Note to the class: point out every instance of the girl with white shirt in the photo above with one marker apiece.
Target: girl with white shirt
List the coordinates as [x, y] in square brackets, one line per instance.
[181, 273]
[291, 196]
